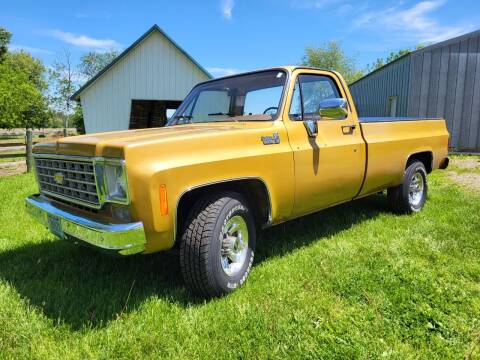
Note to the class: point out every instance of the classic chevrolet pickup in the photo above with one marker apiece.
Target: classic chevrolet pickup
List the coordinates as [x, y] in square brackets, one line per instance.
[241, 153]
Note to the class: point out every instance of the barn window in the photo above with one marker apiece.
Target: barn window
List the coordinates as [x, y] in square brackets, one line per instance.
[151, 113]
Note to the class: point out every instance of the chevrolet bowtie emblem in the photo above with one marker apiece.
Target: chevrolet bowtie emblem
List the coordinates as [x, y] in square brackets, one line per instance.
[58, 178]
[270, 140]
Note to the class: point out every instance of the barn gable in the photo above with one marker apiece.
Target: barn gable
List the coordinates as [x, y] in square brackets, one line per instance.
[153, 74]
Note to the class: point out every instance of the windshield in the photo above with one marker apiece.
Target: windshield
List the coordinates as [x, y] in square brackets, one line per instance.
[249, 97]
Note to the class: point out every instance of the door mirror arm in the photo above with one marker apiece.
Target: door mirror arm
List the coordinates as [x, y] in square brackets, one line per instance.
[312, 128]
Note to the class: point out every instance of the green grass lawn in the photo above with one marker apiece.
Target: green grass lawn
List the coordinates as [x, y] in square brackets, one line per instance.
[354, 281]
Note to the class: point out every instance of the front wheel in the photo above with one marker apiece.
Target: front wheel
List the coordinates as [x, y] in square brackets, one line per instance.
[217, 244]
[411, 195]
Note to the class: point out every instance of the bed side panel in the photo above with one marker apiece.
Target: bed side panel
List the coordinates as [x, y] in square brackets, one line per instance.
[390, 143]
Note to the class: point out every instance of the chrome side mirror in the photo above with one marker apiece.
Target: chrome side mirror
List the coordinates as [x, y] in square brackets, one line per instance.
[312, 128]
[333, 109]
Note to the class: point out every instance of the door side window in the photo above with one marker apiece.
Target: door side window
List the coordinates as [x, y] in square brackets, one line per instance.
[296, 111]
[309, 91]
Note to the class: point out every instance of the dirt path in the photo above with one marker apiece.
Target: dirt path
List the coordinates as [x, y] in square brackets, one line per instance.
[465, 171]
[12, 168]
[12, 148]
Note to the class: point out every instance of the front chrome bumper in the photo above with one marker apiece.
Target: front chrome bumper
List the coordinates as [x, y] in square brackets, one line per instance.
[124, 239]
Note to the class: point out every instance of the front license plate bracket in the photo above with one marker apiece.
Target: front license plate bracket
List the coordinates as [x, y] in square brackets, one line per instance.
[55, 226]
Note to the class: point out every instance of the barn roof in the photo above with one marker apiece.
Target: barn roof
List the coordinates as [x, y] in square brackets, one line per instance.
[426, 48]
[76, 95]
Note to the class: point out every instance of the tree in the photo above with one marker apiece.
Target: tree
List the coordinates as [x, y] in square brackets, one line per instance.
[77, 119]
[92, 62]
[21, 61]
[57, 120]
[21, 102]
[380, 62]
[62, 76]
[22, 84]
[5, 37]
[331, 56]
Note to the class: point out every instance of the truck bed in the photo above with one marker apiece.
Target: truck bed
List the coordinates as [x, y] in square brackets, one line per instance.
[391, 141]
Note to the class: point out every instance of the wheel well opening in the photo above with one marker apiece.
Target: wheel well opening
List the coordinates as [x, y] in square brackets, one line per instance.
[425, 157]
[254, 190]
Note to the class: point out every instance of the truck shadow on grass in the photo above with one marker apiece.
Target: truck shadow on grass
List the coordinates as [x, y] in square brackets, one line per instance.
[80, 288]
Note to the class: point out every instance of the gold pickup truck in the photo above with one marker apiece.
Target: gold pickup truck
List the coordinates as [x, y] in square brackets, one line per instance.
[241, 153]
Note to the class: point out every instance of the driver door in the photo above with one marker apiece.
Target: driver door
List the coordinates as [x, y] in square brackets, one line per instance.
[329, 168]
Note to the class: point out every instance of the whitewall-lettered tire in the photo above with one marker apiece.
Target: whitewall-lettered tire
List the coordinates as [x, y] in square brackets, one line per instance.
[217, 244]
[410, 196]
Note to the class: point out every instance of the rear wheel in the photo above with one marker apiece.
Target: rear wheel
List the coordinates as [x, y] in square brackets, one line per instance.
[217, 244]
[410, 196]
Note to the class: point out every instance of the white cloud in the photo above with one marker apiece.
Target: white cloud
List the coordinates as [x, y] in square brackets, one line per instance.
[415, 22]
[29, 49]
[219, 71]
[227, 8]
[84, 41]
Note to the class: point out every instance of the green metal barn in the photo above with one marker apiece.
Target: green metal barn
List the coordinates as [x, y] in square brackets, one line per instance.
[441, 80]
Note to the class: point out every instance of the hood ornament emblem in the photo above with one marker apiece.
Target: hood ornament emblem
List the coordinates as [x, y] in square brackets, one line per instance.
[58, 178]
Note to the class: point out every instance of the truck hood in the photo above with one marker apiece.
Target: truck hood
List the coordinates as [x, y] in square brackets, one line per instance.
[114, 144]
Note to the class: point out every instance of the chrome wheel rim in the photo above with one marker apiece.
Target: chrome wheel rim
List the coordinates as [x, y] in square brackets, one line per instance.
[416, 189]
[234, 245]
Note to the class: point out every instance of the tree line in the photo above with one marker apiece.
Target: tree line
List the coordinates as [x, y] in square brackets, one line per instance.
[34, 96]
[332, 56]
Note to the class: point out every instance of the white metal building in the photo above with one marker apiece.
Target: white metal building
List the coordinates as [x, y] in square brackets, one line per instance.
[137, 89]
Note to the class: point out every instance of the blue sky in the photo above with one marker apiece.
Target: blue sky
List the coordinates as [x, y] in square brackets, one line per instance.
[228, 36]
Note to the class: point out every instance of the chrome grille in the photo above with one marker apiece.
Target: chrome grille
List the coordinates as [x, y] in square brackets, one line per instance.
[68, 179]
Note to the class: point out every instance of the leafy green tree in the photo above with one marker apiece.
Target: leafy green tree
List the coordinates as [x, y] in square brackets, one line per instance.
[331, 56]
[62, 79]
[93, 62]
[380, 62]
[57, 119]
[21, 61]
[22, 85]
[5, 37]
[21, 102]
[77, 119]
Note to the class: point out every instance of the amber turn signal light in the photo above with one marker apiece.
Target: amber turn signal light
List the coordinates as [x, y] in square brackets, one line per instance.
[163, 200]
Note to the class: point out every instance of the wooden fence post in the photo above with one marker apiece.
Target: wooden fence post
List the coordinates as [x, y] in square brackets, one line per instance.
[29, 144]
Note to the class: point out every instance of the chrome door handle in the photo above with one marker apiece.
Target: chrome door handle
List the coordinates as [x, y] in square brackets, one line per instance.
[348, 129]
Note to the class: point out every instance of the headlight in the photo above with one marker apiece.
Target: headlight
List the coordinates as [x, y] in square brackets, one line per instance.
[112, 179]
[115, 182]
